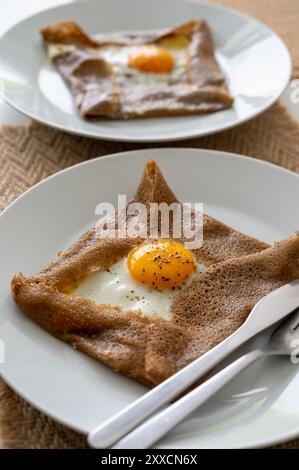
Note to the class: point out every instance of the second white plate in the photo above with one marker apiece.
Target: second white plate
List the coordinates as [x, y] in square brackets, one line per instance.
[247, 50]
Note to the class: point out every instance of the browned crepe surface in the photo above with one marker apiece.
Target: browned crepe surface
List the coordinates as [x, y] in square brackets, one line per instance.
[241, 271]
[99, 91]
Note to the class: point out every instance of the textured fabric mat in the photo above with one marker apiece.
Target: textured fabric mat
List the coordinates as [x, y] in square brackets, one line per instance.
[29, 154]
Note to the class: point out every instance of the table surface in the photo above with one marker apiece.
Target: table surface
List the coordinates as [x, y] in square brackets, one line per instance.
[15, 10]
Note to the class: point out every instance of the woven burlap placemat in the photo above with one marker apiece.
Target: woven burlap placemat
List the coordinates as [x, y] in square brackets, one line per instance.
[29, 154]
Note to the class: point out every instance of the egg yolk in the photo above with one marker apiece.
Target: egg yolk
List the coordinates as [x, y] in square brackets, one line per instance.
[161, 264]
[151, 58]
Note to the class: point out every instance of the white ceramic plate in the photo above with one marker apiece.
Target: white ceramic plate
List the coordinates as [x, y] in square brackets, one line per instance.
[259, 408]
[248, 52]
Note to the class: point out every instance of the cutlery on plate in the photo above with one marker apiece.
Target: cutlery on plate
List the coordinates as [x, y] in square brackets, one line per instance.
[283, 341]
[269, 310]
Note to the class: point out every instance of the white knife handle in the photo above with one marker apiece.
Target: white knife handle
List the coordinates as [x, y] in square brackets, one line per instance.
[112, 430]
[156, 427]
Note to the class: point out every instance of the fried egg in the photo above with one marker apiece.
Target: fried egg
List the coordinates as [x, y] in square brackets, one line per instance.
[146, 280]
[164, 62]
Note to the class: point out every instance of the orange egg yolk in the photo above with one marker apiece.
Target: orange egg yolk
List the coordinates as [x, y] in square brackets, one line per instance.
[162, 264]
[151, 58]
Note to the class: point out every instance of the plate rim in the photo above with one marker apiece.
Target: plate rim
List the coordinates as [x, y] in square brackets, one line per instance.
[157, 139]
[212, 153]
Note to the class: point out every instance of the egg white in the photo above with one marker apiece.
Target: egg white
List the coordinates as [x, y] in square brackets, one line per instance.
[117, 287]
[54, 50]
